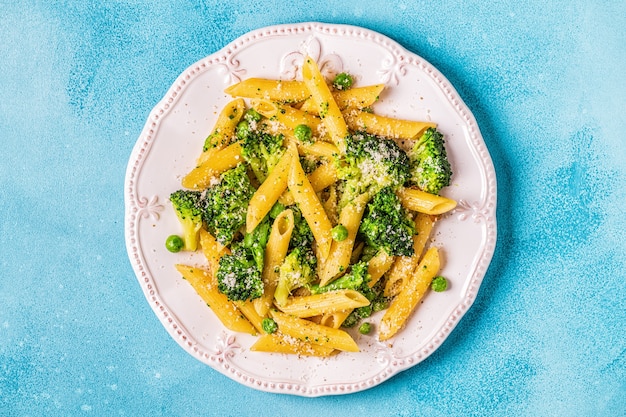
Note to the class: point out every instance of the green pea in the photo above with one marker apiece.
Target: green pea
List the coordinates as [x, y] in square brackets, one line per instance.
[365, 328]
[174, 243]
[269, 325]
[339, 232]
[303, 133]
[439, 284]
[343, 81]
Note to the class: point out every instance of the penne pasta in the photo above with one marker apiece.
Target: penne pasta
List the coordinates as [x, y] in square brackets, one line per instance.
[423, 202]
[248, 309]
[288, 116]
[201, 176]
[312, 210]
[324, 176]
[274, 90]
[328, 302]
[225, 310]
[314, 333]
[403, 265]
[385, 126]
[319, 148]
[341, 251]
[378, 266]
[224, 129]
[212, 251]
[355, 98]
[336, 319]
[269, 191]
[325, 102]
[281, 343]
[412, 292]
[275, 252]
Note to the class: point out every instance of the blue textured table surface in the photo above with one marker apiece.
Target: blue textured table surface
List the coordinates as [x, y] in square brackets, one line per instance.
[546, 83]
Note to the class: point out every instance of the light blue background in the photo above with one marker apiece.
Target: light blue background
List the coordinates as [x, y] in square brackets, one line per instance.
[546, 83]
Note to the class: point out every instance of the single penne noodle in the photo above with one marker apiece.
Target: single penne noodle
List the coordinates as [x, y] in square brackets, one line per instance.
[328, 302]
[336, 319]
[224, 129]
[385, 126]
[280, 343]
[403, 266]
[265, 108]
[212, 251]
[318, 334]
[291, 117]
[269, 191]
[319, 148]
[249, 311]
[324, 176]
[286, 199]
[274, 90]
[412, 292]
[423, 202]
[424, 224]
[208, 154]
[275, 252]
[328, 110]
[201, 176]
[378, 265]
[225, 310]
[341, 251]
[356, 97]
[305, 196]
[286, 119]
[401, 269]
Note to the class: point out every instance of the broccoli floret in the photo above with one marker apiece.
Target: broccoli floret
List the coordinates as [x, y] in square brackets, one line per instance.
[304, 134]
[370, 164]
[226, 204]
[260, 149]
[365, 328]
[430, 168]
[239, 273]
[356, 279]
[239, 276]
[188, 206]
[297, 270]
[386, 225]
[343, 81]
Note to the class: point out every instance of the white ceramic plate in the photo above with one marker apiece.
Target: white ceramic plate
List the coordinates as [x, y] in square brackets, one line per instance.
[173, 137]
